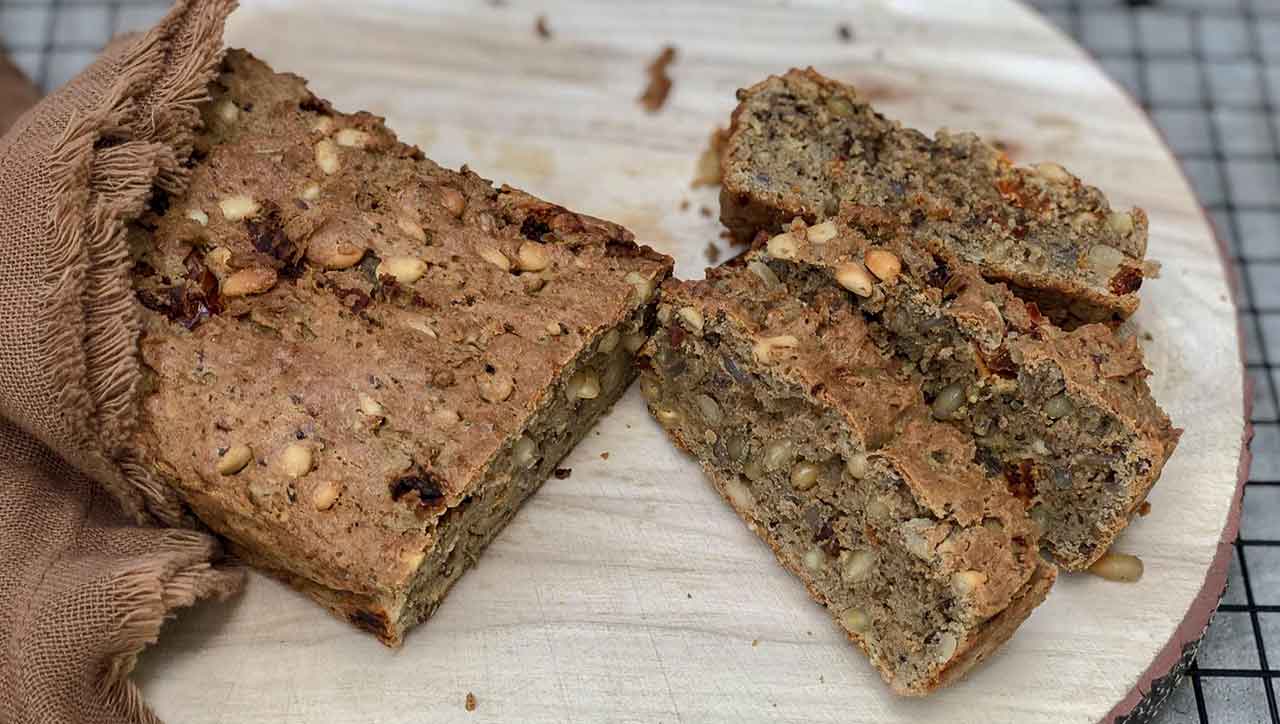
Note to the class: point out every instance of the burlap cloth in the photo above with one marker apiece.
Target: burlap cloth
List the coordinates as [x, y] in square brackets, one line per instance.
[91, 558]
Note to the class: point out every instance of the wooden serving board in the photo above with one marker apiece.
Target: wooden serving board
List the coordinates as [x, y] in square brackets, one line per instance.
[630, 592]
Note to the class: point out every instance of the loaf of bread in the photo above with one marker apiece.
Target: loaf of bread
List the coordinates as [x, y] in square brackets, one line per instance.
[825, 447]
[1064, 416]
[802, 145]
[358, 364]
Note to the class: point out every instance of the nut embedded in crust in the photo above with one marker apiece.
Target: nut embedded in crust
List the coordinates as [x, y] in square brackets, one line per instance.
[404, 269]
[296, 460]
[352, 138]
[254, 280]
[532, 257]
[326, 495]
[327, 157]
[238, 207]
[764, 349]
[330, 252]
[234, 459]
[495, 387]
[495, 257]
[783, 246]
[854, 277]
[884, 264]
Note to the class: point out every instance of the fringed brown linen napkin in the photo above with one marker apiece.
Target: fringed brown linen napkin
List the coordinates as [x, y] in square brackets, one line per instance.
[93, 554]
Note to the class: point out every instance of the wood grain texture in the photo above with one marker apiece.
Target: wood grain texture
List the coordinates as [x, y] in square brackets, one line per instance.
[629, 592]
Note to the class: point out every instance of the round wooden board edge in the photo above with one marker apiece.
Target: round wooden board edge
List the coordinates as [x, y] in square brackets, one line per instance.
[1172, 661]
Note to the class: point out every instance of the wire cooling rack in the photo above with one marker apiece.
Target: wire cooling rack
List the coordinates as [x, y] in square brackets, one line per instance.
[1208, 72]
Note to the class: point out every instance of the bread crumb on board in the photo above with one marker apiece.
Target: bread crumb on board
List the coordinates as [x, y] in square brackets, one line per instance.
[541, 27]
[604, 455]
[707, 172]
[563, 473]
[844, 32]
[655, 94]
[471, 701]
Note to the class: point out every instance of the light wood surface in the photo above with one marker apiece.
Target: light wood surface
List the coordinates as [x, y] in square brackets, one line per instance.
[629, 592]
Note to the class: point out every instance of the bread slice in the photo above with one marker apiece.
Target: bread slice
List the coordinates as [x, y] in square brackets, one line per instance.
[359, 363]
[802, 145]
[1065, 416]
[824, 446]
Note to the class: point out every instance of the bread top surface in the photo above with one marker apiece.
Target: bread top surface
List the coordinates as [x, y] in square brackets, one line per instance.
[824, 351]
[806, 145]
[322, 285]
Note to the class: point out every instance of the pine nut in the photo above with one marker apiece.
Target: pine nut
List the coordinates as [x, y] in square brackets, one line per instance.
[495, 257]
[532, 257]
[254, 280]
[804, 476]
[296, 460]
[642, 286]
[783, 246]
[858, 564]
[412, 229]
[692, 318]
[854, 277]
[583, 385]
[884, 264]
[326, 495]
[235, 208]
[352, 138]
[404, 269]
[234, 459]
[822, 233]
[1118, 567]
[764, 349]
[327, 157]
[739, 495]
[525, 452]
[966, 582]
[453, 200]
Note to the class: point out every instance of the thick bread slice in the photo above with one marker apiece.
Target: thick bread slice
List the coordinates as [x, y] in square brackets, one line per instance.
[359, 363]
[803, 145]
[824, 446]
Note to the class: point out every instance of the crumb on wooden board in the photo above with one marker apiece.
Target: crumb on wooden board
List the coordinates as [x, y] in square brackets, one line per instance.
[708, 171]
[659, 87]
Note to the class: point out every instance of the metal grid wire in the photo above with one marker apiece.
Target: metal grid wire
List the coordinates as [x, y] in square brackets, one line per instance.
[1208, 71]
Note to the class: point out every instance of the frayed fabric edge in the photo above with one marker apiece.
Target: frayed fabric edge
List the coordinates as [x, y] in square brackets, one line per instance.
[176, 576]
[89, 310]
